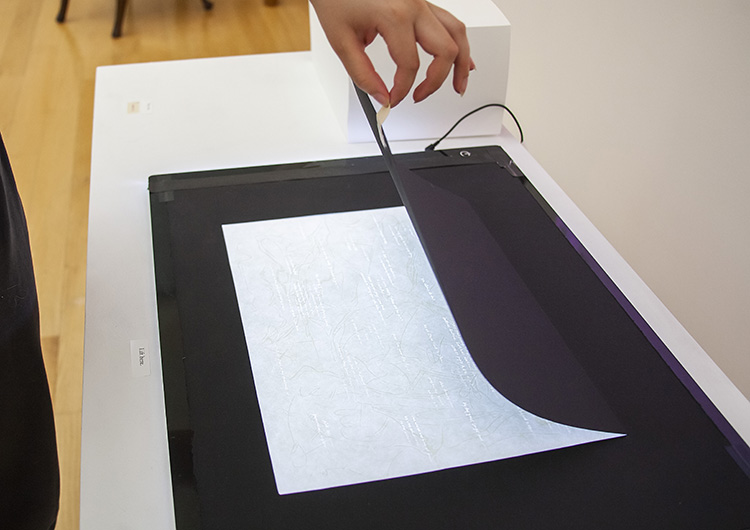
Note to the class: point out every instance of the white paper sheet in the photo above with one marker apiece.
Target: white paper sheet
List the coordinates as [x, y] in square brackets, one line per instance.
[360, 370]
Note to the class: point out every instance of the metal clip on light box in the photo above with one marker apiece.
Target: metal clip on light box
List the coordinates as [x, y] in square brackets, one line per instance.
[489, 36]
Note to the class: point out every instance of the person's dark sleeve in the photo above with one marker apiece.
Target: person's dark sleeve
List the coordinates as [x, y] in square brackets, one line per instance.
[29, 473]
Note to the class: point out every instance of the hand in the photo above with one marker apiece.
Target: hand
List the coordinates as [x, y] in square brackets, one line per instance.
[352, 25]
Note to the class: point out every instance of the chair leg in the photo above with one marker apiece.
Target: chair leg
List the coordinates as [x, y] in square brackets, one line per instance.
[117, 30]
[63, 11]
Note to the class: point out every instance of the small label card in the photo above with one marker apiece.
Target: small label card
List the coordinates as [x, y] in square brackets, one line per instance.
[139, 358]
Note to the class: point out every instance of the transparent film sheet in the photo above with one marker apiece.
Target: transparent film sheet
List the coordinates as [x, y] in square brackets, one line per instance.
[360, 370]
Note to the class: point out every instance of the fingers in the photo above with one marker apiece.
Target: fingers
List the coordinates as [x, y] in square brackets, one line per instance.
[434, 38]
[360, 69]
[463, 63]
[402, 46]
[441, 35]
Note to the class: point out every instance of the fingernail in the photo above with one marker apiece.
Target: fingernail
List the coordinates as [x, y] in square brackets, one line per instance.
[382, 98]
[464, 85]
[472, 66]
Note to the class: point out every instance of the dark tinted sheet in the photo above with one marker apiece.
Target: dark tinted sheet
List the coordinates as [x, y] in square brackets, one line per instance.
[672, 470]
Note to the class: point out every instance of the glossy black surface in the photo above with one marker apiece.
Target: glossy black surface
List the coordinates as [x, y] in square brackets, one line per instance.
[671, 471]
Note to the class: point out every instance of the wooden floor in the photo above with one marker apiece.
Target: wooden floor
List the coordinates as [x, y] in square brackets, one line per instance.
[47, 75]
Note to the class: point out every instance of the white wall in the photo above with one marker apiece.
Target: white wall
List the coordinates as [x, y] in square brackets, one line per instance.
[640, 110]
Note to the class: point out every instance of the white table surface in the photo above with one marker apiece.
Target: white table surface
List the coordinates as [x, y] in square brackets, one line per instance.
[220, 113]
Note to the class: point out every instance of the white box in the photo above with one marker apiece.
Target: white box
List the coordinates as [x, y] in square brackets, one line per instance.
[489, 37]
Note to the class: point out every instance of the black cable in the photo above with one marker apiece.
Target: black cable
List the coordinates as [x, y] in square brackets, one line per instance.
[432, 146]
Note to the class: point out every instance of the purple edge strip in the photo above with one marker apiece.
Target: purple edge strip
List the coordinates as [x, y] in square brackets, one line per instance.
[738, 449]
